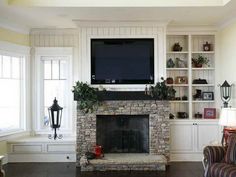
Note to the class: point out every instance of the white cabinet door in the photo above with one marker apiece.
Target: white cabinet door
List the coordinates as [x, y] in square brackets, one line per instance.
[181, 137]
[208, 133]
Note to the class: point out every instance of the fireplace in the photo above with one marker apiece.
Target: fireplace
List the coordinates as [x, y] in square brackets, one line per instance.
[128, 143]
[123, 133]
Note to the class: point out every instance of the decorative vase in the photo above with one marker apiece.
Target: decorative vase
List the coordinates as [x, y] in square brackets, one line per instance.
[170, 63]
[198, 65]
[177, 47]
[169, 80]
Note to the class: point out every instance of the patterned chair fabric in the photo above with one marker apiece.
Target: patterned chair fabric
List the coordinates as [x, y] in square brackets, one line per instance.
[218, 162]
[222, 170]
[230, 156]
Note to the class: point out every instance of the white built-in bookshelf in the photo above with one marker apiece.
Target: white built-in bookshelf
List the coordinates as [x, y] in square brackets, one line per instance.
[192, 47]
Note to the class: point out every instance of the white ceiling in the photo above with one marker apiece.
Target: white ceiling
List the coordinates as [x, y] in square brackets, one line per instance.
[33, 16]
[118, 3]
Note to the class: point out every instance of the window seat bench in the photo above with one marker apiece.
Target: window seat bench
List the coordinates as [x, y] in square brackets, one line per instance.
[41, 149]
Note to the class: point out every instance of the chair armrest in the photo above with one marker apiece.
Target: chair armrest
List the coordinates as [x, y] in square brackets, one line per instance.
[2, 173]
[213, 154]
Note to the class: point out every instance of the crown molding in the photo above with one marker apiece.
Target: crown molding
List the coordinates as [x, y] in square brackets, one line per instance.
[16, 48]
[53, 31]
[226, 23]
[14, 27]
[195, 29]
[119, 23]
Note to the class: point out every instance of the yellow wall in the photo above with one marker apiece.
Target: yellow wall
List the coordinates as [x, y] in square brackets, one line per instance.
[14, 37]
[227, 58]
[3, 148]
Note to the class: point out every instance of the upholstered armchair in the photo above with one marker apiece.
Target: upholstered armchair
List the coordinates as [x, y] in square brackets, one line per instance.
[2, 173]
[219, 161]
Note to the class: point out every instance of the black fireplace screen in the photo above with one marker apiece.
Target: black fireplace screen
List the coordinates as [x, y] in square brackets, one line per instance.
[123, 133]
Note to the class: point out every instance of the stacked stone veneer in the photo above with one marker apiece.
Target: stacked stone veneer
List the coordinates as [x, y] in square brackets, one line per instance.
[159, 130]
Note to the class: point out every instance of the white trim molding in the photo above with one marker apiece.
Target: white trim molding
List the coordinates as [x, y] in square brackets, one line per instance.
[41, 149]
[38, 86]
[7, 48]
[120, 23]
[14, 27]
[54, 51]
[18, 49]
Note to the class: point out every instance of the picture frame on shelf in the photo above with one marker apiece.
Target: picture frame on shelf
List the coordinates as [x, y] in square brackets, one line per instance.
[207, 47]
[209, 113]
[181, 80]
[207, 95]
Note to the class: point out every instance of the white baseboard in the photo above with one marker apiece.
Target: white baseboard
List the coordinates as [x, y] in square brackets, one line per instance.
[190, 157]
[41, 158]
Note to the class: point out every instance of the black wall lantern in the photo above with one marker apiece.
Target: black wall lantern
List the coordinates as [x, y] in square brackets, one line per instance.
[225, 93]
[55, 115]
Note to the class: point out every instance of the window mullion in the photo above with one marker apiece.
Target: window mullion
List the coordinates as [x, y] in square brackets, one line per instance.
[59, 66]
[51, 69]
[1, 73]
[11, 75]
[21, 91]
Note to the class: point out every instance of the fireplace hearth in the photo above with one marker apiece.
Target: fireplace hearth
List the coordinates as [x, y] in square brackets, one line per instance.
[118, 121]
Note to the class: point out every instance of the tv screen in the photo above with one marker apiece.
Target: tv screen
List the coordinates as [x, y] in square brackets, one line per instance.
[122, 61]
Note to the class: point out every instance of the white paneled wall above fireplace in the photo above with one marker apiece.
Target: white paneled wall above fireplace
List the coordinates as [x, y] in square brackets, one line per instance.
[91, 30]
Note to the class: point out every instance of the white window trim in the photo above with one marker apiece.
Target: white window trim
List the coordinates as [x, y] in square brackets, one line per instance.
[16, 50]
[50, 51]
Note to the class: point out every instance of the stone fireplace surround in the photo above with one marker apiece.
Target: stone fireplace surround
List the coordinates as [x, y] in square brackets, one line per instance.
[159, 132]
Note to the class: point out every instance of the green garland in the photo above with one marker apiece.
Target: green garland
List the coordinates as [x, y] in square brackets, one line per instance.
[86, 96]
[162, 92]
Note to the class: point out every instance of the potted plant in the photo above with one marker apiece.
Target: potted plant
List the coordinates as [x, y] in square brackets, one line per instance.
[162, 92]
[199, 61]
[86, 96]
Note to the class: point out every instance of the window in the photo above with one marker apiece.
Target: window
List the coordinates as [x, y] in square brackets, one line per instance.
[54, 82]
[12, 92]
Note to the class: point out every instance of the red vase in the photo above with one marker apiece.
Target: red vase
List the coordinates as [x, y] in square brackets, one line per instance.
[98, 151]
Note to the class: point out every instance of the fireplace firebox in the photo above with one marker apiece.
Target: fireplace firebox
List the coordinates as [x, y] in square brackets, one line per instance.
[123, 133]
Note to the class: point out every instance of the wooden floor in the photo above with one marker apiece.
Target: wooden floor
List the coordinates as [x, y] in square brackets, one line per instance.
[177, 169]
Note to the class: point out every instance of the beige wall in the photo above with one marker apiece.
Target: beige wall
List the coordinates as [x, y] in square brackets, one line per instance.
[227, 58]
[14, 37]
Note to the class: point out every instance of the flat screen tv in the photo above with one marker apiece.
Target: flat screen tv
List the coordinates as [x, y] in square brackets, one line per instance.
[122, 61]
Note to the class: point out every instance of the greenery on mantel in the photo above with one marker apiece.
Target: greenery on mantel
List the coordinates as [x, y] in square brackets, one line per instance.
[86, 96]
[88, 99]
[161, 91]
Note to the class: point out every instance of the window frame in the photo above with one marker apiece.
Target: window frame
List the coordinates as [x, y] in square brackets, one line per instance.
[15, 50]
[39, 86]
